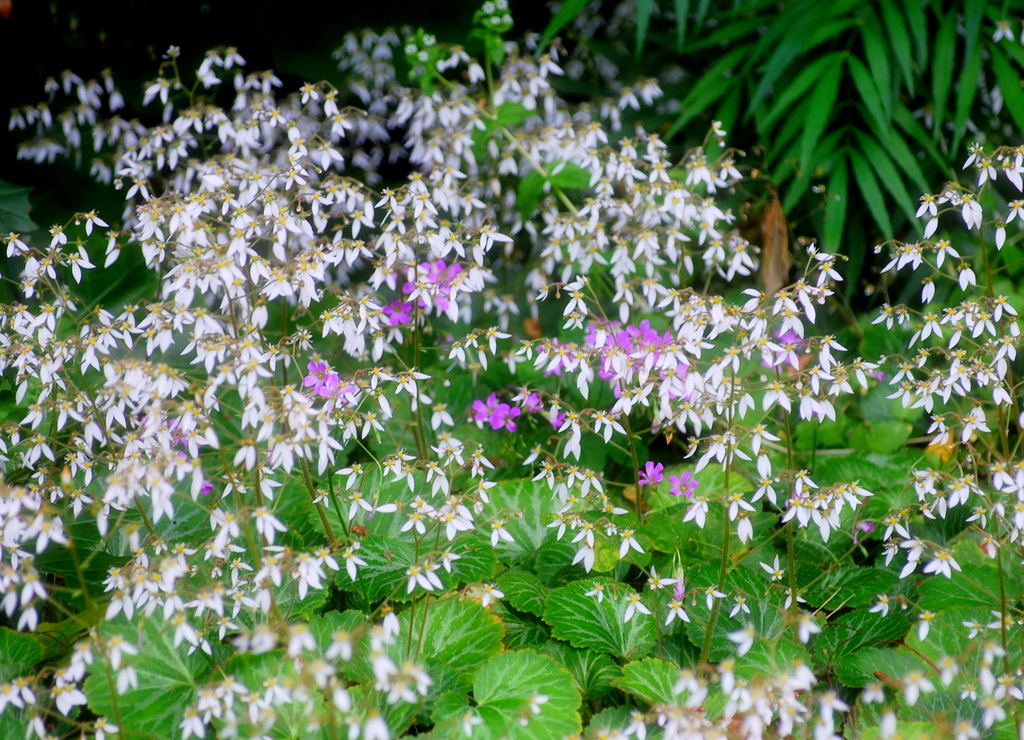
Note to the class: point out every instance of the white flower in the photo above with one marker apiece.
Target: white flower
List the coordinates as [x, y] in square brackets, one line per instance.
[491, 593]
[744, 639]
[914, 684]
[774, 570]
[808, 626]
[633, 604]
[598, 591]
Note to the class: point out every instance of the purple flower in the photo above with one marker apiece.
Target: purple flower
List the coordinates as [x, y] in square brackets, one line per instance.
[652, 474]
[498, 415]
[398, 313]
[682, 485]
[323, 381]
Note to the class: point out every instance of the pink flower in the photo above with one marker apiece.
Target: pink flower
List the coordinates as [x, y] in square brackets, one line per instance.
[398, 313]
[651, 476]
[498, 415]
[321, 379]
[682, 485]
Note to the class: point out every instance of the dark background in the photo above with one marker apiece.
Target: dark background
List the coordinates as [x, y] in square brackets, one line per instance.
[41, 39]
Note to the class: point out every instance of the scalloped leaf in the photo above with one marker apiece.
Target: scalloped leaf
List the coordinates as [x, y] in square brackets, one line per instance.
[650, 679]
[593, 673]
[585, 622]
[524, 591]
[168, 678]
[505, 695]
[20, 652]
[536, 503]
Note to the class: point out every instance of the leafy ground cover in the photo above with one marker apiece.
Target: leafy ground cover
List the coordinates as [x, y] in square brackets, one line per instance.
[524, 446]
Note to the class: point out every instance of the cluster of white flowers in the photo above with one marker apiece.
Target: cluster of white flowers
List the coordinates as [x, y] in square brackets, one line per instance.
[250, 216]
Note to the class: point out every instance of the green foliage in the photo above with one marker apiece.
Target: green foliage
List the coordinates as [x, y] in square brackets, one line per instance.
[587, 622]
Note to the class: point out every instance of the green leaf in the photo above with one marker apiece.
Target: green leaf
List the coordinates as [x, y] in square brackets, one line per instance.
[899, 41]
[1009, 85]
[835, 206]
[567, 11]
[858, 629]
[876, 52]
[505, 694]
[869, 96]
[782, 102]
[913, 10]
[568, 176]
[536, 503]
[650, 679]
[967, 89]
[787, 37]
[350, 623]
[524, 591]
[642, 10]
[167, 678]
[586, 622]
[715, 83]
[459, 634]
[530, 190]
[942, 68]
[771, 658]
[291, 720]
[977, 585]
[14, 209]
[856, 669]
[851, 587]
[387, 559]
[509, 114]
[682, 8]
[870, 191]
[20, 652]
[593, 673]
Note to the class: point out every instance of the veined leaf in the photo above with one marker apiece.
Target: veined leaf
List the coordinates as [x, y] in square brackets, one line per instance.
[14, 209]
[851, 587]
[20, 652]
[167, 678]
[536, 502]
[899, 41]
[650, 679]
[524, 591]
[1009, 85]
[856, 669]
[505, 694]
[586, 622]
[869, 189]
[942, 69]
[835, 206]
[568, 10]
[592, 672]
[858, 629]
